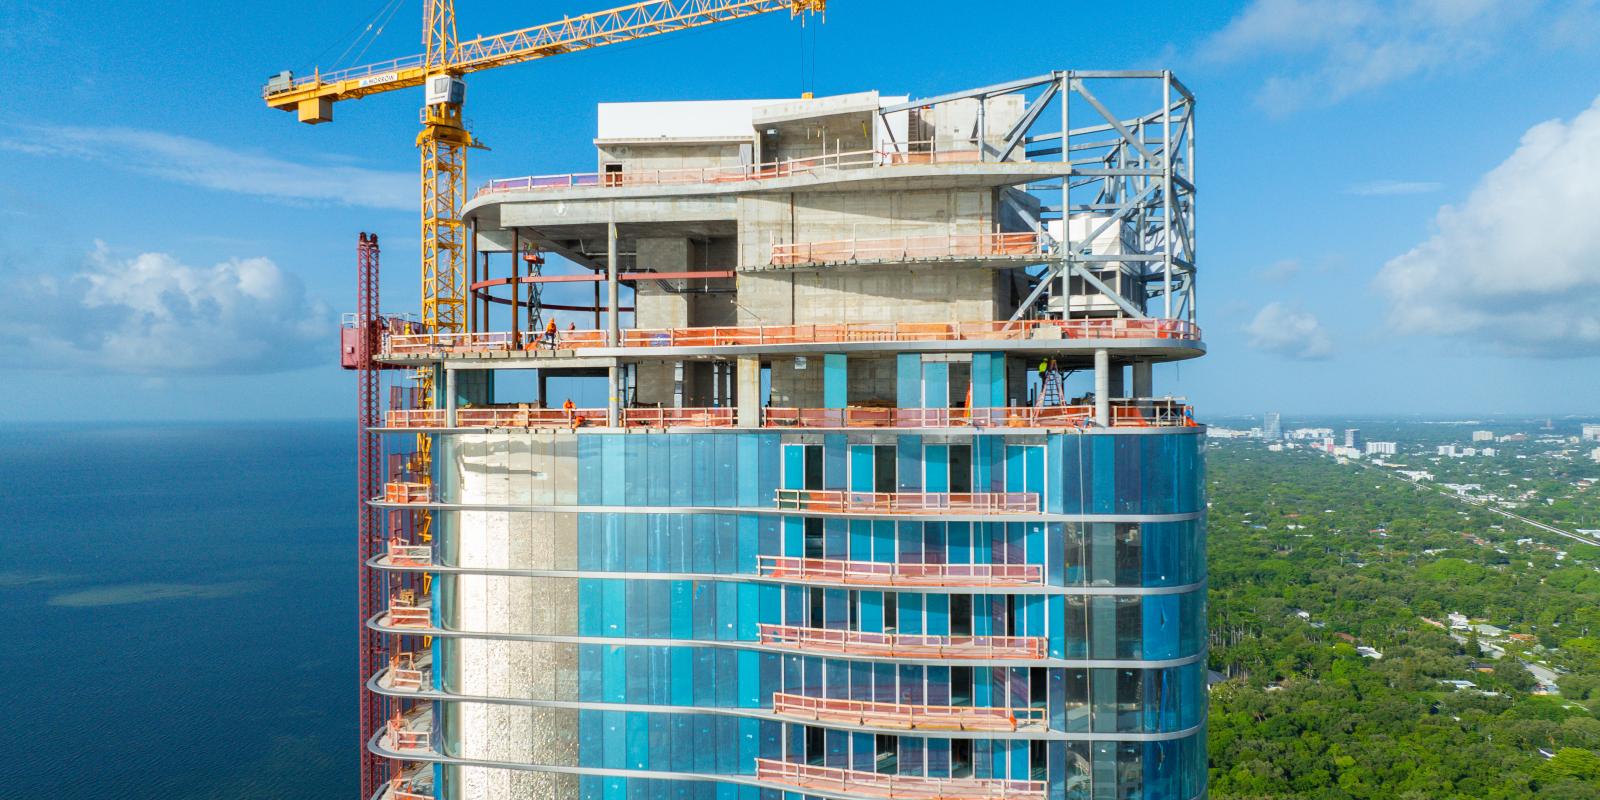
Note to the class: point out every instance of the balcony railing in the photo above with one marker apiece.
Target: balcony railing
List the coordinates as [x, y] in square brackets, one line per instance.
[409, 789]
[877, 573]
[909, 787]
[409, 555]
[895, 155]
[902, 645]
[407, 672]
[406, 610]
[724, 417]
[406, 492]
[758, 335]
[906, 248]
[519, 417]
[901, 715]
[835, 501]
[1125, 413]
[408, 732]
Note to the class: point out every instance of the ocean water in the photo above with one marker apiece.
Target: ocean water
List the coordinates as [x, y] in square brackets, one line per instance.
[177, 611]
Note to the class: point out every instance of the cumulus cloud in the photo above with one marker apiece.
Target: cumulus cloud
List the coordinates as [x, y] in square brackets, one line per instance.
[195, 162]
[1289, 332]
[1518, 263]
[1324, 52]
[152, 315]
[1385, 188]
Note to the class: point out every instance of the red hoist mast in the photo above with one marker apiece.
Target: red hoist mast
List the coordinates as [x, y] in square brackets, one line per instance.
[362, 338]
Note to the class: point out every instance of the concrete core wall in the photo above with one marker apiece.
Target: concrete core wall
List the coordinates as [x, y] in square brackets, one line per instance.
[765, 220]
[500, 469]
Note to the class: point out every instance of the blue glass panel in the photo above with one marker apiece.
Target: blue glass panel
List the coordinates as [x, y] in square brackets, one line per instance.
[835, 377]
[908, 380]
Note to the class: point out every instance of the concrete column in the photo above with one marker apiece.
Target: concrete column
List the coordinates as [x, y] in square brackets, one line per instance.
[613, 332]
[1143, 378]
[1118, 382]
[449, 398]
[748, 395]
[1102, 388]
[613, 396]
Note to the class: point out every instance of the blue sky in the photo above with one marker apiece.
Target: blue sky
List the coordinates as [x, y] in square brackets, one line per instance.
[1398, 200]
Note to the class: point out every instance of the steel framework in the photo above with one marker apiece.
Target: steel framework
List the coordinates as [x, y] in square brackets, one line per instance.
[369, 484]
[1132, 171]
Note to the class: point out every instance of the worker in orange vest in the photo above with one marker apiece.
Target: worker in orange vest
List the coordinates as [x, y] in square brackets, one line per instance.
[550, 334]
[568, 406]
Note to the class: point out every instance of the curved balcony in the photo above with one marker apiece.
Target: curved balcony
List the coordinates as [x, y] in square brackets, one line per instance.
[1012, 247]
[910, 787]
[906, 716]
[906, 645]
[407, 610]
[409, 731]
[877, 573]
[908, 154]
[400, 554]
[426, 344]
[416, 784]
[407, 672]
[845, 502]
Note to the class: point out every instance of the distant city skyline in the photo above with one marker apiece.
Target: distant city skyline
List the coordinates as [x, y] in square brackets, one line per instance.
[186, 258]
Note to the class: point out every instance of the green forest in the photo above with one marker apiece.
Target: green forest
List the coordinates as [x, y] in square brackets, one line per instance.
[1311, 559]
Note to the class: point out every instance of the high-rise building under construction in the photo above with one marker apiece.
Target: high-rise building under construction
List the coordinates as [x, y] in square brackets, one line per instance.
[883, 501]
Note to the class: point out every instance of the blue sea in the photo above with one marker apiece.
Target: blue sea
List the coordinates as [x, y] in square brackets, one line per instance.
[178, 611]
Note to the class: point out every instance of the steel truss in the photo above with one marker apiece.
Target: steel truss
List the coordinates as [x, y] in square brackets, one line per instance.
[1131, 170]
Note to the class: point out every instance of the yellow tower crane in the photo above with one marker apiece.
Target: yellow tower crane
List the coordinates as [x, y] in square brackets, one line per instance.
[444, 139]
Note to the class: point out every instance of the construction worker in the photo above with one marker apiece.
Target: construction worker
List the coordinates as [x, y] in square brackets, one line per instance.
[568, 407]
[550, 334]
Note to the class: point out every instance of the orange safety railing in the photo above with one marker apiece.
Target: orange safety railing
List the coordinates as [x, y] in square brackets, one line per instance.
[724, 417]
[877, 573]
[404, 673]
[900, 248]
[1004, 417]
[909, 787]
[902, 715]
[732, 173]
[420, 343]
[830, 500]
[399, 735]
[519, 417]
[897, 154]
[406, 492]
[1125, 413]
[404, 789]
[409, 555]
[901, 645]
[406, 611]
[827, 333]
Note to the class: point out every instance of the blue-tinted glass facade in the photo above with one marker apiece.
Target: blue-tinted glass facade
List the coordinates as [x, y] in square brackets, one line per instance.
[663, 536]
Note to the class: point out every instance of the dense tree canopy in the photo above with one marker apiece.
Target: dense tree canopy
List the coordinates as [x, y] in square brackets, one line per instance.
[1369, 560]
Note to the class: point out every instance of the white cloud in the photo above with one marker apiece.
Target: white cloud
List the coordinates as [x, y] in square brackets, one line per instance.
[1323, 52]
[182, 159]
[1280, 271]
[1289, 332]
[1385, 188]
[1517, 265]
[152, 315]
